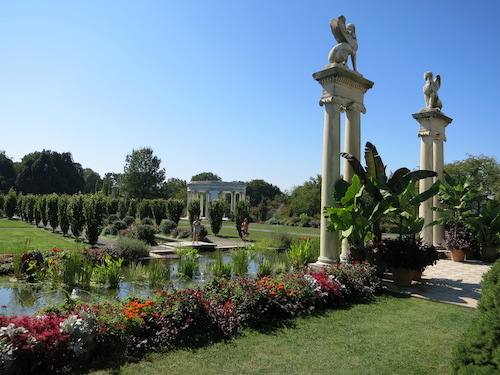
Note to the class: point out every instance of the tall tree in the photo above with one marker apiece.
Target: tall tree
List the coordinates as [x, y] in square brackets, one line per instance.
[7, 173]
[174, 188]
[306, 199]
[142, 177]
[488, 172]
[206, 176]
[93, 181]
[49, 172]
[260, 190]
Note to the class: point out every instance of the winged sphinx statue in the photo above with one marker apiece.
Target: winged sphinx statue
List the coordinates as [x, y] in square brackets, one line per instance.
[431, 87]
[347, 42]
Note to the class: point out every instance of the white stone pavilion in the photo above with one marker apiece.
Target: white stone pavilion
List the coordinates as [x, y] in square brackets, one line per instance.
[207, 191]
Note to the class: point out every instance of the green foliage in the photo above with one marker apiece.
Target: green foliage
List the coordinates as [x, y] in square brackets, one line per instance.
[94, 211]
[52, 207]
[10, 204]
[241, 212]
[306, 199]
[240, 261]
[206, 176]
[260, 190]
[142, 177]
[71, 267]
[488, 170]
[7, 174]
[219, 267]
[132, 248]
[132, 208]
[158, 271]
[167, 226]
[478, 352]
[175, 208]
[174, 188]
[92, 181]
[117, 226]
[188, 262]
[146, 233]
[109, 271]
[123, 204]
[193, 210]
[64, 213]
[158, 208]
[111, 205]
[486, 225]
[216, 213]
[77, 215]
[42, 206]
[144, 209]
[388, 192]
[129, 220]
[300, 253]
[30, 207]
[48, 172]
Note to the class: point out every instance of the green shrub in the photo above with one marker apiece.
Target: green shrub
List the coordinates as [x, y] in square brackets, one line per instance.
[117, 226]
[144, 209]
[167, 226]
[203, 232]
[51, 207]
[147, 221]
[159, 209]
[281, 240]
[146, 233]
[129, 220]
[76, 215]
[175, 208]
[477, 351]
[10, 204]
[112, 218]
[132, 249]
[63, 213]
[216, 213]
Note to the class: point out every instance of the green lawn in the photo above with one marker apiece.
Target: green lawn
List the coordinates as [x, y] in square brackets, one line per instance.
[19, 240]
[6, 223]
[391, 336]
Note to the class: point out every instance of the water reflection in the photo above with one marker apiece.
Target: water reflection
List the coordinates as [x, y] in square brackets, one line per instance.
[23, 298]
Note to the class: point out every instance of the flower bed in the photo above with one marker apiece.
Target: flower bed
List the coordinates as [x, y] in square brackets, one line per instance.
[75, 335]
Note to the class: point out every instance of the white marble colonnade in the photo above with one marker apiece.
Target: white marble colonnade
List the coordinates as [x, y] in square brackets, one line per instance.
[432, 132]
[207, 191]
[343, 91]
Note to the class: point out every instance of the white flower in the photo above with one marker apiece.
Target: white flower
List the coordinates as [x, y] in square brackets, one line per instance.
[11, 330]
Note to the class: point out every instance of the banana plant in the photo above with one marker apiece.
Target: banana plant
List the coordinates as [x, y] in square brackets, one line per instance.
[384, 190]
[351, 214]
[486, 226]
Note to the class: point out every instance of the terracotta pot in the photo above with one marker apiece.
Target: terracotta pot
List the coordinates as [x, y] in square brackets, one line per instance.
[457, 255]
[489, 254]
[402, 276]
[417, 275]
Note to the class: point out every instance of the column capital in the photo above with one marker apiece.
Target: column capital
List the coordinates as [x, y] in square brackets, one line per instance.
[433, 124]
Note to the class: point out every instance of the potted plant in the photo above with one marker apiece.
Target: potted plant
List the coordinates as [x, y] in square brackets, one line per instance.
[486, 227]
[458, 240]
[406, 258]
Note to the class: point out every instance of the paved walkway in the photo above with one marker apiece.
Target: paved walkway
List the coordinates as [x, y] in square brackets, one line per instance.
[457, 283]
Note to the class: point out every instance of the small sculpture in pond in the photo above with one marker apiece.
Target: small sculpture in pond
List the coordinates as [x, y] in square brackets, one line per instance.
[431, 87]
[347, 42]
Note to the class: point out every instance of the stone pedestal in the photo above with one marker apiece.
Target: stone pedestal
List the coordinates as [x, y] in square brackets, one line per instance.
[432, 132]
[343, 91]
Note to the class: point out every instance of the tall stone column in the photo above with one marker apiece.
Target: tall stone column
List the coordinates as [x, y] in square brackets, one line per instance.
[352, 142]
[432, 131]
[343, 90]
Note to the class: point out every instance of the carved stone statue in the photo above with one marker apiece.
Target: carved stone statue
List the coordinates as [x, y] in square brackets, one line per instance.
[347, 42]
[431, 87]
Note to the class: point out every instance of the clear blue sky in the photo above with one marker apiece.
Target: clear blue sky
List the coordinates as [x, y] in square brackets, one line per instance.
[227, 87]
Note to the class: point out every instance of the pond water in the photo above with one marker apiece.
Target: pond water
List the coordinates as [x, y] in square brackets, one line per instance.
[24, 298]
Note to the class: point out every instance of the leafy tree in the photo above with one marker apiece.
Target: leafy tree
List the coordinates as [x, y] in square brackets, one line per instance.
[216, 213]
[132, 208]
[260, 190]
[77, 215]
[175, 208]
[241, 212]
[7, 173]
[94, 208]
[159, 209]
[49, 172]
[123, 204]
[111, 205]
[206, 176]
[306, 199]
[37, 210]
[144, 209]
[92, 181]
[10, 204]
[110, 184]
[142, 177]
[30, 207]
[42, 205]
[174, 188]
[63, 213]
[488, 172]
[193, 210]
[52, 210]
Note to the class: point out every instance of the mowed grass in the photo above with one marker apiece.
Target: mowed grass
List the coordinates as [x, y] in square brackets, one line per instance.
[21, 240]
[402, 336]
[6, 223]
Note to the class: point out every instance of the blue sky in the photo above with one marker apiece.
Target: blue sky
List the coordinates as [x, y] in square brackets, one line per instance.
[227, 87]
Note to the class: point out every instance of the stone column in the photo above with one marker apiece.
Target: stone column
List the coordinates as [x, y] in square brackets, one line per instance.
[352, 142]
[343, 89]
[432, 130]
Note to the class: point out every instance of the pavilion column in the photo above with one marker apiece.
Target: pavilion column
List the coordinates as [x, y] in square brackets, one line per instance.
[343, 90]
[202, 203]
[433, 125]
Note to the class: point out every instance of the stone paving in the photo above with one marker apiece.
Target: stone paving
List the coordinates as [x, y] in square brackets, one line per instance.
[457, 283]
